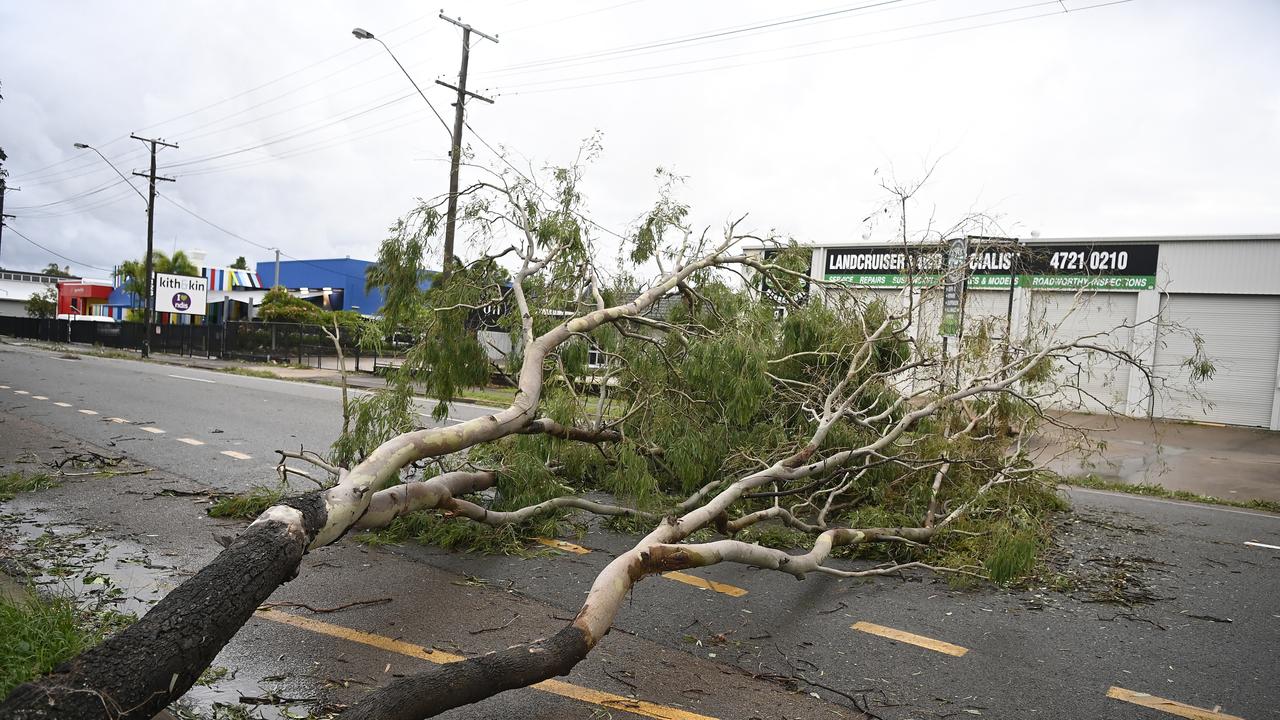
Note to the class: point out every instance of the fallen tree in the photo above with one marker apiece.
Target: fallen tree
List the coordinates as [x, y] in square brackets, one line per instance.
[833, 417]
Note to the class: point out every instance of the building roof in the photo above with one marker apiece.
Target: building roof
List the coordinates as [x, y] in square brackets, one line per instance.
[1082, 240]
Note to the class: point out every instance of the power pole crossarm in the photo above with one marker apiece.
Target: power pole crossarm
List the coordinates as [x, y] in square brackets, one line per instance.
[149, 270]
[455, 153]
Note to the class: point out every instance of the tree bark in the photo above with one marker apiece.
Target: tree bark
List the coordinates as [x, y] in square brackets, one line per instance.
[153, 662]
[444, 687]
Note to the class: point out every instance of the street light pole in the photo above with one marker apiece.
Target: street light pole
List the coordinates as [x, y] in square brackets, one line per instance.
[455, 135]
[149, 302]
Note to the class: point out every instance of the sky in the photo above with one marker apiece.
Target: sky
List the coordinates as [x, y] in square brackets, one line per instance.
[1066, 119]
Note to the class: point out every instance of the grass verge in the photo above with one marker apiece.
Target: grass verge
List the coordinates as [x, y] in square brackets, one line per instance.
[495, 396]
[246, 506]
[37, 635]
[1097, 483]
[250, 372]
[15, 482]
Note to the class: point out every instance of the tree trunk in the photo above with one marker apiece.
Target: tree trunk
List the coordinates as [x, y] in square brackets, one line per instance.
[138, 672]
[448, 686]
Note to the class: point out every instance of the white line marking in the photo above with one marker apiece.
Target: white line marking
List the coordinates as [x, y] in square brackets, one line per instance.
[446, 421]
[4, 387]
[153, 430]
[119, 421]
[1201, 506]
[62, 404]
[190, 441]
[22, 392]
[1251, 543]
[39, 397]
[184, 377]
[89, 412]
[237, 455]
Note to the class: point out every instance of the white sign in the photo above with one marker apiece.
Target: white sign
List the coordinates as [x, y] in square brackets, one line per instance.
[181, 294]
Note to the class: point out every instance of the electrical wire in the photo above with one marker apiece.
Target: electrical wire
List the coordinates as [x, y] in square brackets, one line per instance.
[696, 38]
[17, 232]
[242, 238]
[73, 198]
[822, 52]
[97, 204]
[283, 137]
[39, 172]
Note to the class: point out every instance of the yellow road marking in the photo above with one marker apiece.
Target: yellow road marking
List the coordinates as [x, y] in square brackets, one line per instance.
[1170, 706]
[704, 583]
[906, 637]
[89, 412]
[555, 687]
[153, 430]
[62, 404]
[119, 421]
[39, 397]
[562, 545]
[190, 441]
[237, 455]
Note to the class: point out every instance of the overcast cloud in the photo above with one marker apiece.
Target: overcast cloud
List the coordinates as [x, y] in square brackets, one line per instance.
[1145, 117]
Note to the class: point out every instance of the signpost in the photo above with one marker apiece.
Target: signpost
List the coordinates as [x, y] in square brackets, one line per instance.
[953, 291]
[181, 294]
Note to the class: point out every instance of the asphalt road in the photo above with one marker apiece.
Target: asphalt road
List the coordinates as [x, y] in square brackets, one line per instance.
[158, 413]
[1199, 623]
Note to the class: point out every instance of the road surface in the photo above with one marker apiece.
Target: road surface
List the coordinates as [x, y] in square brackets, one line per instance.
[1201, 628]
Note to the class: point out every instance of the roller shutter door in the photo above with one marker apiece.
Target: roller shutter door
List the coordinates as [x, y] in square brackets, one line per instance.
[1242, 336]
[986, 306]
[1102, 380]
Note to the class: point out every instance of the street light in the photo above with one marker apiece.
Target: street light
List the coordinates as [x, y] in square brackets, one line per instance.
[148, 302]
[363, 34]
[455, 133]
[83, 146]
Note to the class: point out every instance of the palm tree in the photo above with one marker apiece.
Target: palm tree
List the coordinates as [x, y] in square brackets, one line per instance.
[133, 272]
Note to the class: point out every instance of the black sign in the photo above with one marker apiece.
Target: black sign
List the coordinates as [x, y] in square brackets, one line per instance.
[993, 262]
[1102, 260]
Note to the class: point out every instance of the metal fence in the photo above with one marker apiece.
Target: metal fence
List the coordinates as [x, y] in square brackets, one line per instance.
[252, 341]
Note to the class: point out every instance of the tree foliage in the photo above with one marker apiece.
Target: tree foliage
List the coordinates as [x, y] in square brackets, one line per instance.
[702, 389]
[42, 304]
[133, 272]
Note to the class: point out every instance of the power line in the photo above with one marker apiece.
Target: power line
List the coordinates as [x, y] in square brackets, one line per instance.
[242, 238]
[535, 185]
[72, 198]
[819, 52]
[288, 135]
[696, 38]
[17, 232]
[41, 171]
[97, 204]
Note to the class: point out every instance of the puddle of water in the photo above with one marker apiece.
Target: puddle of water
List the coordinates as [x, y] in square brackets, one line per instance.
[75, 560]
[126, 577]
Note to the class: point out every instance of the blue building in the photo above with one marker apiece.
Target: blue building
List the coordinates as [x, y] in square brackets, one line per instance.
[343, 277]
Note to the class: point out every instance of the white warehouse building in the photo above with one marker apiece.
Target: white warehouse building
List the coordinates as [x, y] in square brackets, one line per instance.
[1166, 290]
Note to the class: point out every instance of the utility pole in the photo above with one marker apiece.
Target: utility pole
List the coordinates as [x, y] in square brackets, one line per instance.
[455, 154]
[151, 176]
[3, 188]
[277, 282]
